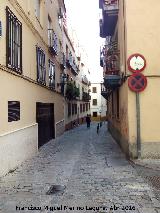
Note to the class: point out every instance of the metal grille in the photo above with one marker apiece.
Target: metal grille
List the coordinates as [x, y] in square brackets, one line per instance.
[41, 70]
[13, 41]
[13, 111]
[51, 75]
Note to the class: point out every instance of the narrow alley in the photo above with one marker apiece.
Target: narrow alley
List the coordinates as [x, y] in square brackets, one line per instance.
[91, 172]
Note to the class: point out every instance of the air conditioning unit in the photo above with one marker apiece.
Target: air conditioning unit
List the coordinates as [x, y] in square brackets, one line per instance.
[60, 13]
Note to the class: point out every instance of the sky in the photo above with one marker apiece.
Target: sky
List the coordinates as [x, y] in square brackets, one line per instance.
[83, 15]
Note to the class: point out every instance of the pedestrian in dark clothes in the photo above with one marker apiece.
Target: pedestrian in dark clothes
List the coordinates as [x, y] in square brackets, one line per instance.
[88, 121]
[98, 128]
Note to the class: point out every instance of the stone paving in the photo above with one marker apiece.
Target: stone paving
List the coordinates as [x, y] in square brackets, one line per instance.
[95, 173]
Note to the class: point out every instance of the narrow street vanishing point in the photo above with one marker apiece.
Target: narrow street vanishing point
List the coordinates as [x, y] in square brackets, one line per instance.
[80, 171]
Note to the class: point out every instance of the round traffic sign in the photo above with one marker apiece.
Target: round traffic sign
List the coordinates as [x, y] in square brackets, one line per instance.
[136, 63]
[137, 82]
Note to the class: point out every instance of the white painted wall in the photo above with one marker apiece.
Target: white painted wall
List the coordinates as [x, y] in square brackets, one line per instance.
[101, 102]
[17, 146]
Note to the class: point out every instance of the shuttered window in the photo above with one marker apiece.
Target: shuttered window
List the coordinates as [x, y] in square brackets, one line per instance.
[51, 75]
[13, 42]
[41, 69]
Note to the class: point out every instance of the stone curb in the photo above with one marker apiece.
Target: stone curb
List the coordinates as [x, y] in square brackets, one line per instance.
[152, 166]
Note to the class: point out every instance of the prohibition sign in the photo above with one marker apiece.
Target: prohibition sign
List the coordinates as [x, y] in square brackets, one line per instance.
[137, 82]
[136, 63]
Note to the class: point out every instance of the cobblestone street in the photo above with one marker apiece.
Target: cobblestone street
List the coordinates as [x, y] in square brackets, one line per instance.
[93, 171]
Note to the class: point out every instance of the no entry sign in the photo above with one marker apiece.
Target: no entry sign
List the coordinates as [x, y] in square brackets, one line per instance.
[136, 63]
[137, 82]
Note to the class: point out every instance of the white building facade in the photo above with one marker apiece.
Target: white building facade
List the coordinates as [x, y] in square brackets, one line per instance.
[98, 103]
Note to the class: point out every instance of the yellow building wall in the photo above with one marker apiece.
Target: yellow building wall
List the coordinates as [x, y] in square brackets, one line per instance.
[18, 89]
[19, 140]
[142, 21]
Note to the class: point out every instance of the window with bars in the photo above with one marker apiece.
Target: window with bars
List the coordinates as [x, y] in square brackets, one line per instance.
[51, 75]
[41, 69]
[13, 42]
[13, 111]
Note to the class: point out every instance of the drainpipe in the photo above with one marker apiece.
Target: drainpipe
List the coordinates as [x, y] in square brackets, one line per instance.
[138, 126]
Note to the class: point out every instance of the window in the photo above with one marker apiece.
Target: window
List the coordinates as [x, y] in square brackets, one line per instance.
[37, 9]
[94, 89]
[41, 70]
[112, 104]
[76, 109]
[49, 28]
[73, 109]
[83, 107]
[80, 108]
[69, 109]
[94, 102]
[118, 104]
[86, 106]
[13, 111]
[13, 42]
[94, 114]
[53, 42]
[51, 75]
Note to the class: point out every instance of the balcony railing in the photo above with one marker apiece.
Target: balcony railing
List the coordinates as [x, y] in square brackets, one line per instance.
[85, 80]
[74, 68]
[63, 61]
[106, 93]
[110, 5]
[52, 42]
[112, 72]
[69, 60]
[109, 17]
[86, 96]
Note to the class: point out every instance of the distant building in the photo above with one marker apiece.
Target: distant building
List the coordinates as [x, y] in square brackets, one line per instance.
[98, 103]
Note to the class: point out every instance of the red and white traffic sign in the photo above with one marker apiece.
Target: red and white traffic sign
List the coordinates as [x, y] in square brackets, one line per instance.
[136, 63]
[137, 82]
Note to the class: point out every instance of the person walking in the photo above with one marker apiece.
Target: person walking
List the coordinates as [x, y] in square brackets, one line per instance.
[88, 121]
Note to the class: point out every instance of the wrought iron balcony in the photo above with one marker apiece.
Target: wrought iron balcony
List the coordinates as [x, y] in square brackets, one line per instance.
[112, 81]
[69, 60]
[106, 93]
[86, 96]
[109, 17]
[63, 61]
[85, 80]
[74, 68]
[52, 42]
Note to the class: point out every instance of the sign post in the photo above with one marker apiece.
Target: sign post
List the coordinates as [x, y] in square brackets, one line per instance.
[137, 82]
